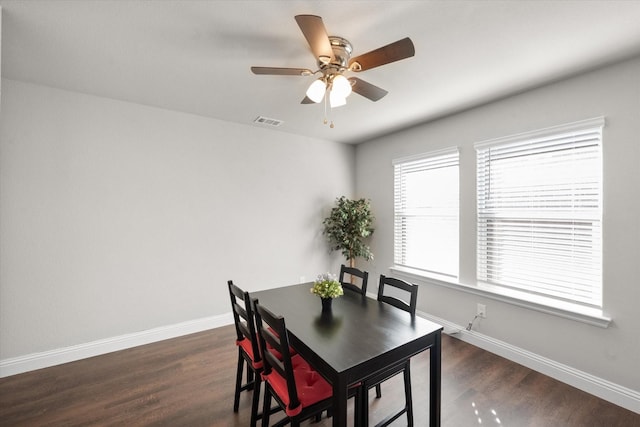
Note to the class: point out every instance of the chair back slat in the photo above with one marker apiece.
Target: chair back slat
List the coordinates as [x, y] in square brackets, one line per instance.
[244, 318]
[246, 333]
[410, 288]
[272, 360]
[240, 310]
[353, 275]
[279, 342]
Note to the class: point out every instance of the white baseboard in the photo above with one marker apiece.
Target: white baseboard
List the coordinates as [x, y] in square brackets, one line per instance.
[614, 393]
[611, 392]
[31, 362]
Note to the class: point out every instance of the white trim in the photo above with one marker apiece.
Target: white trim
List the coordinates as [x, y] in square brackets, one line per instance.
[611, 392]
[568, 127]
[31, 362]
[442, 152]
[571, 312]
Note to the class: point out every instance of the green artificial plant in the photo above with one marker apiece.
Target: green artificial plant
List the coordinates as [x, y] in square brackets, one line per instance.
[347, 227]
[327, 286]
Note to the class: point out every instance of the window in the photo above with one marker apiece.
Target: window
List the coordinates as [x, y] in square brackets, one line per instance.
[426, 212]
[539, 213]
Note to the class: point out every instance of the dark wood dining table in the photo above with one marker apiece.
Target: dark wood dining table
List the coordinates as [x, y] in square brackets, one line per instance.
[359, 337]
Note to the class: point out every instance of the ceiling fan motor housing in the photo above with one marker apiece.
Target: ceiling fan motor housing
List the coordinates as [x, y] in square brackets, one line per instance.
[342, 50]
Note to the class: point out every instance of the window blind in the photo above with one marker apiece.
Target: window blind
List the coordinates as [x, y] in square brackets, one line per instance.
[426, 212]
[539, 205]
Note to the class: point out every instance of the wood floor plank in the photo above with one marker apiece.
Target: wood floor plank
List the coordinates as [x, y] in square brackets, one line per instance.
[188, 381]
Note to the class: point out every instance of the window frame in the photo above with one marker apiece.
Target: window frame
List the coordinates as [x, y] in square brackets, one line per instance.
[448, 157]
[594, 305]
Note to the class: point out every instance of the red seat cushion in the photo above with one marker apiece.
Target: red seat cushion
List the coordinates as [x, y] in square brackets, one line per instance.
[311, 386]
[248, 348]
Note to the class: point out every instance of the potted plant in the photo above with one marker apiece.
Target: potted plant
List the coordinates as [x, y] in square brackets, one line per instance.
[347, 227]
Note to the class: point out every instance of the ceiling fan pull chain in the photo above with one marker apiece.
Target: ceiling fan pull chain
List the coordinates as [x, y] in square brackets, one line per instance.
[325, 109]
[325, 114]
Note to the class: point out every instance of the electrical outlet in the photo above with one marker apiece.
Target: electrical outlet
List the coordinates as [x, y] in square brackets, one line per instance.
[482, 311]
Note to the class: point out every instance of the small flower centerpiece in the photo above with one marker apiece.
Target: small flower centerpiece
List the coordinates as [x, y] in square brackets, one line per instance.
[327, 287]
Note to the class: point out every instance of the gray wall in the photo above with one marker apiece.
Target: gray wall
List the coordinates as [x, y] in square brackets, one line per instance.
[117, 218]
[613, 92]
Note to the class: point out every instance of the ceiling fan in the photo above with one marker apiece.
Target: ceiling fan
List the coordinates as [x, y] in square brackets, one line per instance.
[333, 55]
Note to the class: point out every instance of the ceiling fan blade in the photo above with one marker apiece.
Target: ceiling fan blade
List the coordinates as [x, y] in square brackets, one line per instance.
[366, 89]
[316, 34]
[307, 100]
[384, 55]
[281, 71]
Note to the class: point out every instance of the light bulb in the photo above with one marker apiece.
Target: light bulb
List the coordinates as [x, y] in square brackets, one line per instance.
[341, 86]
[316, 91]
[336, 100]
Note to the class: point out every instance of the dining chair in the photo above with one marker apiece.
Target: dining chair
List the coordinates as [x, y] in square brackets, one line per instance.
[298, 389]
[248, 349]
[353, 277]
[409, 291]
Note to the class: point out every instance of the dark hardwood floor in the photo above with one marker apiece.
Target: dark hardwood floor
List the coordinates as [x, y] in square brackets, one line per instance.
[189, 381]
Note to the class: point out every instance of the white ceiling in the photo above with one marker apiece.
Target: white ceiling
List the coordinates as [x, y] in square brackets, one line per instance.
[194, 56]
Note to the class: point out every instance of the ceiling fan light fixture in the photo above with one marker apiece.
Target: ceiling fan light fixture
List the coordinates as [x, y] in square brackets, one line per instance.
[335, 100]
[341, 86]
[333, 55]
[316, 90]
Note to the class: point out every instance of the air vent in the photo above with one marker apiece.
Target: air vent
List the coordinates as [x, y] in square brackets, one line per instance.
[266, 121]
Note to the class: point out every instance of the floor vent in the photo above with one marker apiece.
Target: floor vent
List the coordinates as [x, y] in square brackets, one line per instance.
[267, 121]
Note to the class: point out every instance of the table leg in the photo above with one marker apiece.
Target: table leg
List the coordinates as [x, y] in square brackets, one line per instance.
[339, 403]
[435, 380]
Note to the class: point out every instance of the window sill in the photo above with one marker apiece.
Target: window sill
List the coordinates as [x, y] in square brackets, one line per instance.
[570, 311]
